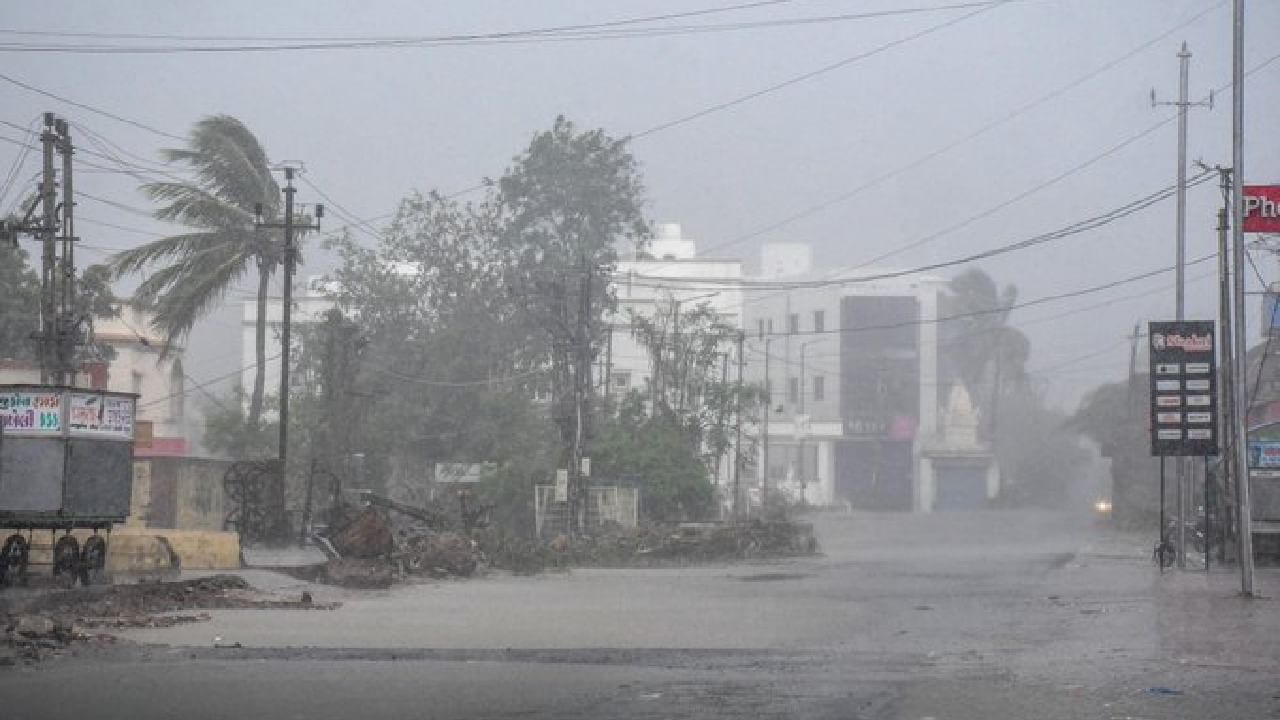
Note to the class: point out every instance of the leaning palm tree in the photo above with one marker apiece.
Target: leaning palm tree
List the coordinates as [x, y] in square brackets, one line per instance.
[193, 271]
[985, 349]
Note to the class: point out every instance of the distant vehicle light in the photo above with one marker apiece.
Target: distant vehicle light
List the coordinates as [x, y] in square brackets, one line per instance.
[1103, 507]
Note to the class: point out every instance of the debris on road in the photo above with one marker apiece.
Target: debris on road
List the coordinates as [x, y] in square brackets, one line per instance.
[654, 545]
[358, 573]
[439, 554]
[54, 621]
[367, 535]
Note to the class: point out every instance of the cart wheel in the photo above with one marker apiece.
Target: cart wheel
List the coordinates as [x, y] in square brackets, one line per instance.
[13, 560]
[66, 559]
[93, 560]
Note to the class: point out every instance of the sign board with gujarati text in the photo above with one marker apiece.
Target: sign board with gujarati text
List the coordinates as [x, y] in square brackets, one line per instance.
[31, 412]
[1184, 388]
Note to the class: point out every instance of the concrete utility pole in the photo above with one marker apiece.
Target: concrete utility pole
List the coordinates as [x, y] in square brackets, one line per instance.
[1180, 464]
[57, 338]
[1228, 472]
[768, 410]
[737, 444]
[68, 322]
[290, 226]
[1243, 505]
[48, 271]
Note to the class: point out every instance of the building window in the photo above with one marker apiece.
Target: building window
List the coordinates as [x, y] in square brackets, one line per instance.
[819, 321]
[769, 326]
[793, 323]
[136, 386]
[819, 388]
[761, 326]
[793, 390]
[621, 381]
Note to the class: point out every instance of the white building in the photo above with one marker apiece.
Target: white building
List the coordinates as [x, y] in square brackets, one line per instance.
[309, 306]
[669, 275]
[857, 390]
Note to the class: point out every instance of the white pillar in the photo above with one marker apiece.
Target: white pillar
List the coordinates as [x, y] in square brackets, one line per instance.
[928, 415]
[927, 489]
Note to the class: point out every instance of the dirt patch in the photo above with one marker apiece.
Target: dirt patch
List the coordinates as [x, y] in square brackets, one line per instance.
[37, 626]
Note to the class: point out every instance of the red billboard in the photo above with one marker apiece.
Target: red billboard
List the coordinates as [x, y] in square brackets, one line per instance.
[1261, 209]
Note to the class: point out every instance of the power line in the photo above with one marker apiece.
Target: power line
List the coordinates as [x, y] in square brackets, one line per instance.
[296, 38]
[461, 383]
[1076, 228]
[90, 108]
[998, 310]
[983, 130]
[580, 33]
[815, 73]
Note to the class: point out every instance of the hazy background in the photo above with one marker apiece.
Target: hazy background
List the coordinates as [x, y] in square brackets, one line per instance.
[373, 124]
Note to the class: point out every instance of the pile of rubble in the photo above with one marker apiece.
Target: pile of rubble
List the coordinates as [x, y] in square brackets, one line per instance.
[686, 543]
[372, 550]
[695, 543]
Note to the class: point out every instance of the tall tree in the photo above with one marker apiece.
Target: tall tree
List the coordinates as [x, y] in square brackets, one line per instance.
[195, 270]
[569, 201]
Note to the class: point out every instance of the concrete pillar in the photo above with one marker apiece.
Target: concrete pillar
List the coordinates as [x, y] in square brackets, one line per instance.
[926, 486]
[928, 415]
[993, 479]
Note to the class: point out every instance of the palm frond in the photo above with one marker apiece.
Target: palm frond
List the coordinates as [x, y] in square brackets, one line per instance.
[136, 259]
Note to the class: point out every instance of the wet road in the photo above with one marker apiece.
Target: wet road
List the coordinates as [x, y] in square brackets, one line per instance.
[974, 615]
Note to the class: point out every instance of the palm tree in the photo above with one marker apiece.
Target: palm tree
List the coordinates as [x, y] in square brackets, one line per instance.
[196, 269]
[981, 343]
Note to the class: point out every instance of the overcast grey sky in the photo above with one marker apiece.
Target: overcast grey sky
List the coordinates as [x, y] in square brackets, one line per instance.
[373, 124]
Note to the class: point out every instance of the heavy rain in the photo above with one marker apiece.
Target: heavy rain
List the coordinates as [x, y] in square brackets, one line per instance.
[640, 359]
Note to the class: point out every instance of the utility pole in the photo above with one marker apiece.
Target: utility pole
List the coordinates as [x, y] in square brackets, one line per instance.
[1228, 472]
[1243, 505]
[737, 444]
[68, 323]
[1180, 465]
[57, 338]
[49, 272]
[290, 226]
[768, 410]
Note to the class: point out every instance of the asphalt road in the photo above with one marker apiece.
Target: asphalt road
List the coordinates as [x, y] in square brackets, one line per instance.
[971, 615]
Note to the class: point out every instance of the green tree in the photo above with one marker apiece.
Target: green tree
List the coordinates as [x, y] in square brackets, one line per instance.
[193, 271]
[1113, 415]
[20, 287]
[654, 452]
[688, 382]
[19, 318]
[567, 203]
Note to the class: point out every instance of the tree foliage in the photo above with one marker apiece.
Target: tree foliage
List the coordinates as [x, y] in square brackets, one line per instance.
[20, 287]
[568, 201]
